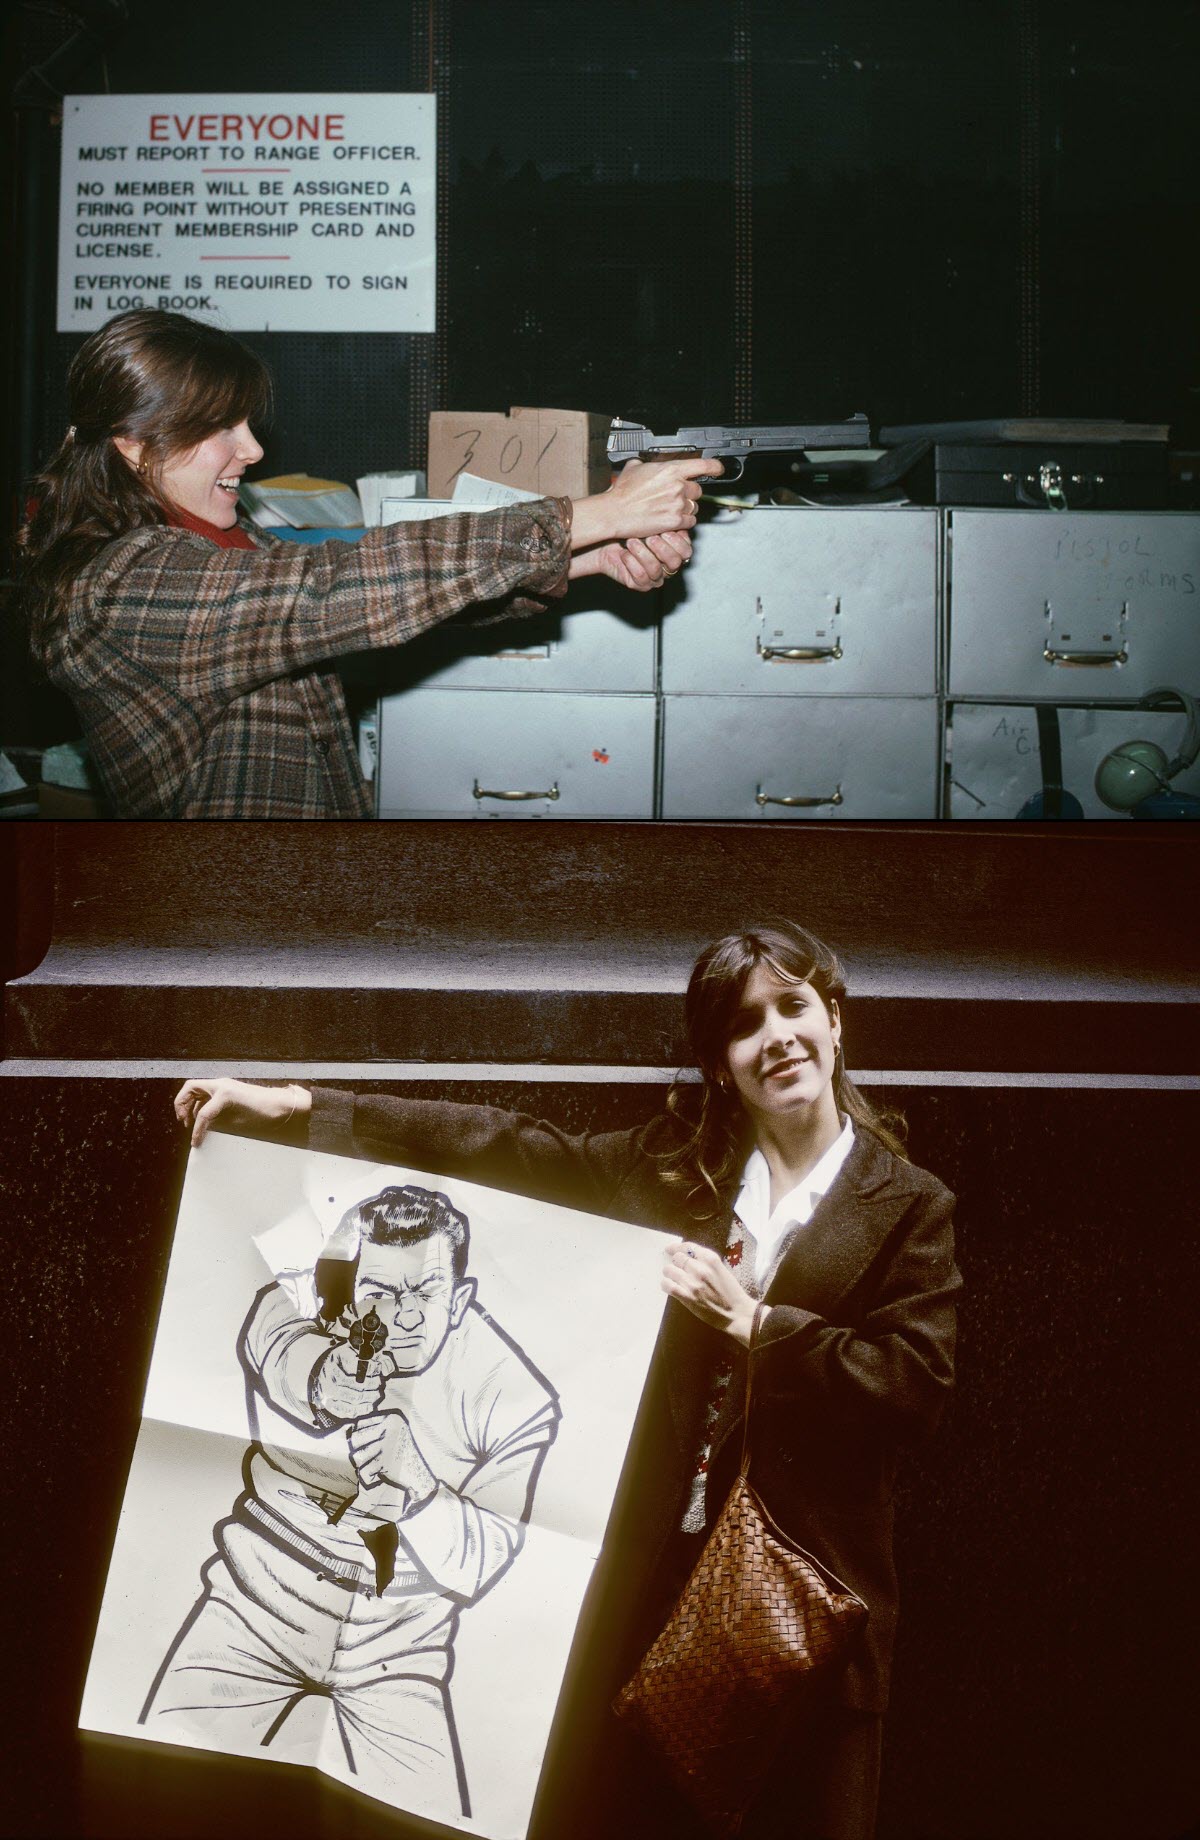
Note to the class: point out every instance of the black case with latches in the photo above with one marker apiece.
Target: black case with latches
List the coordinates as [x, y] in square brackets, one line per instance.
[1053, 475]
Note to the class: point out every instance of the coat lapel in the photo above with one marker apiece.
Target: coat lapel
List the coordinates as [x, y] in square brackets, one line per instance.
[826, 1258]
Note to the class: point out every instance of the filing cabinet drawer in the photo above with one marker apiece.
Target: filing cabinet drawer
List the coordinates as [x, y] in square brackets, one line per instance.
[995, 760]
[789, 600]
[590, 640]
[598, 637]
[1073, 606]
[803, 757]
[511, 754]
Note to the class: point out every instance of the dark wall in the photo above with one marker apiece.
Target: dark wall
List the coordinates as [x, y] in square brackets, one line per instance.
[734, 208]
[1044, 1685]
[998, 948]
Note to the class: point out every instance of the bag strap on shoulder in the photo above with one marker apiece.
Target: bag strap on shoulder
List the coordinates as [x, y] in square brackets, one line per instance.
[750, 1348]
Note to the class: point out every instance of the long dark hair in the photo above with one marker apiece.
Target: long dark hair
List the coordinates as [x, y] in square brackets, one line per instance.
[159, 378]
[717, 1132]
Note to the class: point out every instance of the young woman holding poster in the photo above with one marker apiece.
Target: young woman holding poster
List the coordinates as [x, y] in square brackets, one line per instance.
[197, 651]
[786, 1186]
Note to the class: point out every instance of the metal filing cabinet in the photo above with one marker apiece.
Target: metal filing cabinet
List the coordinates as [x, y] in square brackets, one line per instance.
[1085, 611]
[799, 667]
[552, 716]
[813, 662]
[516, 754]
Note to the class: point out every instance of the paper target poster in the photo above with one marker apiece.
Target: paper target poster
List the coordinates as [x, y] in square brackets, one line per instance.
[384, 1423]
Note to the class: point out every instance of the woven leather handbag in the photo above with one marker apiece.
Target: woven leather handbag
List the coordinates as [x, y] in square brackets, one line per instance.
[757, 1620]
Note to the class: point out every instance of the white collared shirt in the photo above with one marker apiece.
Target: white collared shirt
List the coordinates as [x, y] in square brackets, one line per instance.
[771, 1228]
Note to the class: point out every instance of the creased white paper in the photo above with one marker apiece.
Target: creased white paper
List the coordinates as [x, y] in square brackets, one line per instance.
[368, 1493]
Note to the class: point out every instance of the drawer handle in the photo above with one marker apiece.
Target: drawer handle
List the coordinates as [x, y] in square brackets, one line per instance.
[768, 798]
[797, 654]
[800, 654]
[1101, 659]
[486, 792]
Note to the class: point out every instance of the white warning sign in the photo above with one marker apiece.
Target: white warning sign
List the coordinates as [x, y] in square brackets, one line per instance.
[290, 213]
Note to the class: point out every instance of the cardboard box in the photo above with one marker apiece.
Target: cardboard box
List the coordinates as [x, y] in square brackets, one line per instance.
[557, 453]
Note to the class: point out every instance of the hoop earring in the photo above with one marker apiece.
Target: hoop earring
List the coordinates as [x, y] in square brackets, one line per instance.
[142, 468]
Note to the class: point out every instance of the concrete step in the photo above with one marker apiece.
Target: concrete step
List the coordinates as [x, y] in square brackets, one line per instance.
[970, 948]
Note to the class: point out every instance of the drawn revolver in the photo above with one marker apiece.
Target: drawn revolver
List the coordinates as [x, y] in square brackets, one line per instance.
[368, 1337]
[631, 441]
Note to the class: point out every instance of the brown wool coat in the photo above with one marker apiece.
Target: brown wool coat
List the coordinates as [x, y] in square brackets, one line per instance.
[203, 676]
[857, 1356]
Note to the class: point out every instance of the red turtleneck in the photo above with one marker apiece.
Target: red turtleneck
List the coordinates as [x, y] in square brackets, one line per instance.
[233, 538]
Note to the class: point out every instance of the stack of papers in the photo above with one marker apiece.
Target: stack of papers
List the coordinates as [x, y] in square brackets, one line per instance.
[10, 779]
[470, 494]
[302, 502]
[373, 488]
[67, 765]
[470, 491]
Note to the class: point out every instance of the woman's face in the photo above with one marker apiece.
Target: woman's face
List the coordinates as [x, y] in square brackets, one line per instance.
[782, 1047]
[205, 480]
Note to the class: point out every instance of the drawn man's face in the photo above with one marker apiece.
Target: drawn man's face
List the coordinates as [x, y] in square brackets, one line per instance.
[413, 1291]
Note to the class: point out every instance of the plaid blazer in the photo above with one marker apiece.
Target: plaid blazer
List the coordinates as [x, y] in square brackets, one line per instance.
[202, 675]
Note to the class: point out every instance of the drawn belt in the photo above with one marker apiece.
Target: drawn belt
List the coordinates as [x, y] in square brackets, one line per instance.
[341, 1572]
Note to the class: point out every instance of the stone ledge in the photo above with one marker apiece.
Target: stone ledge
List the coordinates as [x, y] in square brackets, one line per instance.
[1062, 950]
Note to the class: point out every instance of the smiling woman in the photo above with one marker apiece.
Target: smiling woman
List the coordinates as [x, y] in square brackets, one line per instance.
[197, 650]
[789, 1192]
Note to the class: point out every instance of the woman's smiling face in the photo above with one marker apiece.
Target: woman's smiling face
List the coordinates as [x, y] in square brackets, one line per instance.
[782, 1047]
[205, 480]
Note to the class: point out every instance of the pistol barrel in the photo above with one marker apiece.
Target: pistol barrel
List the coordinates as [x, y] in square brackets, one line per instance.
[630, 440]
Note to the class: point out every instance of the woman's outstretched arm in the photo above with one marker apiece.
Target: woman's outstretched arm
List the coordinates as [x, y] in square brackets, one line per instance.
[481, 1143]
